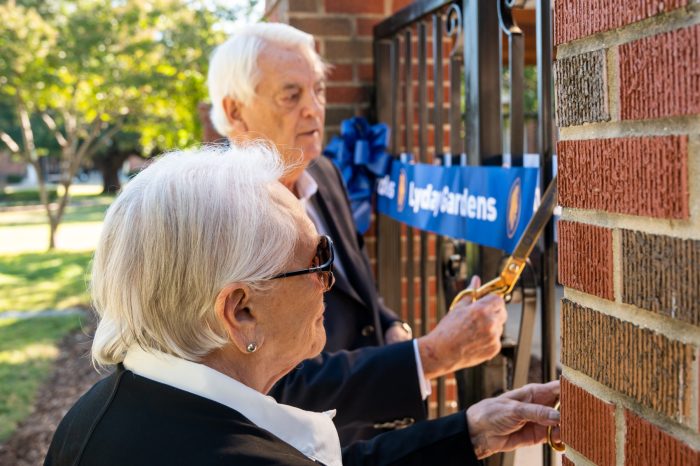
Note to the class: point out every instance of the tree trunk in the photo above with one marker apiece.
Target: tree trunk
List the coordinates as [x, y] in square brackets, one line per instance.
[110, 174]
[53, 226]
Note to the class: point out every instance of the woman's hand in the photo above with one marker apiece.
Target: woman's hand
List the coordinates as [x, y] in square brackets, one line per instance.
[515, 419]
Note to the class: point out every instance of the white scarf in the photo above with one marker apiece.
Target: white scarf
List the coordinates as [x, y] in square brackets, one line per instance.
[311, 433]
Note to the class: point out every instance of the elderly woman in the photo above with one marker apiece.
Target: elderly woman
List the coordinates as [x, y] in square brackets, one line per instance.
[209, 279]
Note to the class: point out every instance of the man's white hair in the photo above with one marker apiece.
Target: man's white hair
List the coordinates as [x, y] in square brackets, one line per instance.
[181, 230]
[233, 67]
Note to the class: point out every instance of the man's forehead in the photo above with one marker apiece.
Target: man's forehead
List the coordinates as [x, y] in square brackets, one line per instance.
[288, 65]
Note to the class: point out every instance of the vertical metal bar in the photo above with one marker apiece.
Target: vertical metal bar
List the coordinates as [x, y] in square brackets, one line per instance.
[423, 157]
[456, 141]
[408, 127]
[388, 244]
[516, 67]
[437, 85]
[395, 63]
[439, 149]
[544, 98]
[483, 79]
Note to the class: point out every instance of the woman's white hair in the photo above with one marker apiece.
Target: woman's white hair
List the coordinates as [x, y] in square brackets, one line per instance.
[233, 67]
[189, 224]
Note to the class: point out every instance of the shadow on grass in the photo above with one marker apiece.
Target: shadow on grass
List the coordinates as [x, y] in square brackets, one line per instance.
[47, 280]
[27, 349]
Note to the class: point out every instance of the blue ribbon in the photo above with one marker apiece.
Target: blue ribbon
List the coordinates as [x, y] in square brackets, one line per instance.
[360, 155]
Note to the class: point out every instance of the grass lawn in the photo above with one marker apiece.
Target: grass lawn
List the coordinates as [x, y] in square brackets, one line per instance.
[32, 279]
[27, 349]
[48, 280]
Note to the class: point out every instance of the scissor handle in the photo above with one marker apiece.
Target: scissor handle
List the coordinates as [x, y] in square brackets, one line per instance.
[497, 285]
[556, 446]
[501, 285]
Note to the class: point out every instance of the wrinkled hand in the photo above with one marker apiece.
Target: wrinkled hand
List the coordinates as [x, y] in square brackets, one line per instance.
[396, 334]
[515, 419]
[467, 336]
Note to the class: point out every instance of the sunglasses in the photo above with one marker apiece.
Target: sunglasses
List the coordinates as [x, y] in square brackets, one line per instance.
[322, 264]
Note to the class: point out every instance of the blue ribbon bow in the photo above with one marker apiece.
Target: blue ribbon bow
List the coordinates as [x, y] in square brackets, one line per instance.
[360, 155]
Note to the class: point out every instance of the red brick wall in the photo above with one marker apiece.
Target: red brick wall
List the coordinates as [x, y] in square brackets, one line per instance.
[627, 83]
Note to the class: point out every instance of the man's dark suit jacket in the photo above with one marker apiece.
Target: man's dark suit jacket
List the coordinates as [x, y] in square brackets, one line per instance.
[126, 419]
[374, 384]
[355, 315]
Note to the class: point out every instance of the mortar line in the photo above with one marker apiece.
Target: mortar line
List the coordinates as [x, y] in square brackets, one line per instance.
[577, 458]
[673, 20]
[679, 431]
[617, 264]
[681, 229]
[612, 59]
[667, 126]
[658, 323]
[620, 432]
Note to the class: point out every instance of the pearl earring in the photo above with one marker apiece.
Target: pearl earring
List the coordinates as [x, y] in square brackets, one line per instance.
[251, 347]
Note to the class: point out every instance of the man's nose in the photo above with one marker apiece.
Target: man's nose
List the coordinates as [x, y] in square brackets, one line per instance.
[313, 105]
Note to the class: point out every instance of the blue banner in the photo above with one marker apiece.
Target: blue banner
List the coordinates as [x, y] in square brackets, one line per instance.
[490, 206]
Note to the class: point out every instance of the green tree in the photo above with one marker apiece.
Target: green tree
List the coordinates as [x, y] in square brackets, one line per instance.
[94, 70]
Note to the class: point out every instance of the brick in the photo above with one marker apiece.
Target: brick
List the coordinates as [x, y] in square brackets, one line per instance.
[662, 274]
[645, 176]
[566, 461]
[580, 85]
[660, 75]
[587, 424]
[340, 72]
[585, 258]
[646, 366]
[209, 133]
[334, 115]
[365, 26]
[323, 26]
[646, 444]
[346, 94]
[348, 49]
[574, 19]
[365, 72]
[354, 6]
[397, 5]
[310, 6]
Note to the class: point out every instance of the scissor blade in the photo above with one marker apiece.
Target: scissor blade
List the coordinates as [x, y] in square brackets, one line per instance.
[537, 222]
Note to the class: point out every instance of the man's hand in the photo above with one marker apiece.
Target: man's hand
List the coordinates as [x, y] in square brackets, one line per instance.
[396, 333]
[467, 336]
[515, 419]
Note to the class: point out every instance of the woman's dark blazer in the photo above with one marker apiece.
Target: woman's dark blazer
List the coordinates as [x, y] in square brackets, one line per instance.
[126, 419]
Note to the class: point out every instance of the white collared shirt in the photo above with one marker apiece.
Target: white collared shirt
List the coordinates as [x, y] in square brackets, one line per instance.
[313, 434]
[306, 187]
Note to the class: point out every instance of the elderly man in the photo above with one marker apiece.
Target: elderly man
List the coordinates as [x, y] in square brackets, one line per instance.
[268, 82]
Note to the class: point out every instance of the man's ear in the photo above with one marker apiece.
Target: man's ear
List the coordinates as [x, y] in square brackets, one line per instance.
[232, 108]
[233, 311]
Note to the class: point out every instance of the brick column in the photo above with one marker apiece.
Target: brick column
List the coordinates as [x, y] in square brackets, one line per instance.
[627, 82]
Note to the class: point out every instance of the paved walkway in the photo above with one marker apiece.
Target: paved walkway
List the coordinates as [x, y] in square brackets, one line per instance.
[45, 313]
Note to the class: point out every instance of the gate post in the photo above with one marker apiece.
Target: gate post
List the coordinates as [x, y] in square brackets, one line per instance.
[482, 67]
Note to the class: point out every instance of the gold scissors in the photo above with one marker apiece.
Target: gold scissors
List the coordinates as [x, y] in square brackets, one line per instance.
[503, 284]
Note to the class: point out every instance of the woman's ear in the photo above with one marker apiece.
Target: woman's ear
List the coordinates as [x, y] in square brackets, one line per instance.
[233, 311]
[232, 108]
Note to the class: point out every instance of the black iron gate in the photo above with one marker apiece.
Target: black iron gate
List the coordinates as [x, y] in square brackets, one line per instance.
[440, 85]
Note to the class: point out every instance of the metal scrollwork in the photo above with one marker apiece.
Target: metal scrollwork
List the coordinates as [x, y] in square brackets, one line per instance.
[505, 16]
[453, 28]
